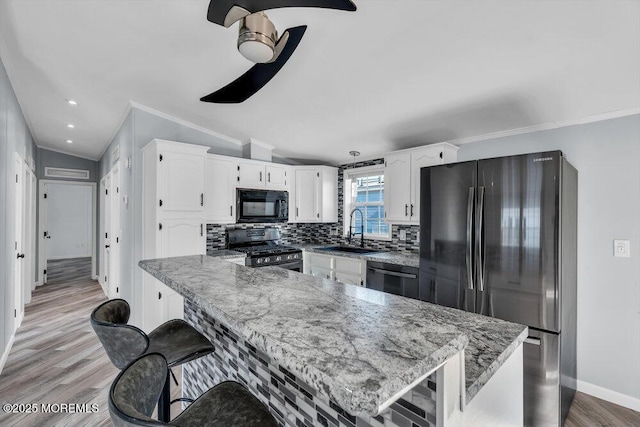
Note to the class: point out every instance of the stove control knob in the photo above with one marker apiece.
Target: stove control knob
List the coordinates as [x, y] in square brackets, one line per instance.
[278, 258]
[295, 256]
[289, 256]
[266, 260]
[259, 261]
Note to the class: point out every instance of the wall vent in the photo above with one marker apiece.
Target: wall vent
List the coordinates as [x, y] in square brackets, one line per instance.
[66, 173]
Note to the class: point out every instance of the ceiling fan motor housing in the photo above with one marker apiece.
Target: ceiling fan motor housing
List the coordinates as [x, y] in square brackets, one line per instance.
[257, 38]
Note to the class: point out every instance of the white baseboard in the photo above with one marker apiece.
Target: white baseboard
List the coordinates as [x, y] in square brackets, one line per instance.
[609, 395]
[7, 350]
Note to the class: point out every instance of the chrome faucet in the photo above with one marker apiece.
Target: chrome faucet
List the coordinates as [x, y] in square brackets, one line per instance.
[351, 234]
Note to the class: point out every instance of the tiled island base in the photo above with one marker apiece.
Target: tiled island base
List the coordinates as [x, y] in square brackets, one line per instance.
[291, 401]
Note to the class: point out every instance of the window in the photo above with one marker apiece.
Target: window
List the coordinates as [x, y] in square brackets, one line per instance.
[364, 190]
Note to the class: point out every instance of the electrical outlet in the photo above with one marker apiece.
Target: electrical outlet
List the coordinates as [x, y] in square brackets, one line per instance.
[402, 235]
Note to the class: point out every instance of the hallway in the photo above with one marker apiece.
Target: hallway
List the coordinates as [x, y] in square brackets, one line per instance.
[56, 358]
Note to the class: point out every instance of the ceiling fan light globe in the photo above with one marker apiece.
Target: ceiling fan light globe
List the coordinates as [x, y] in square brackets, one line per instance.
[256, 51]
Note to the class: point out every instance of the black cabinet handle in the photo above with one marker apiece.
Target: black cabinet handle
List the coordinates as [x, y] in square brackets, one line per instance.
[107, 246]
[20, 255]
[269, 176]
[159, 295]
[201, 230]
[201, 199]
[406, 210]
[231, 210]
[411, 209]
[260, 176]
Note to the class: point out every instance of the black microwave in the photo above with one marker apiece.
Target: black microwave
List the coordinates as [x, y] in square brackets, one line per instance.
[261, 205]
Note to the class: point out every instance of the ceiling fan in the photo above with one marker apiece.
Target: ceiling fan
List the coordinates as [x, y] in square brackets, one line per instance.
[258, 41]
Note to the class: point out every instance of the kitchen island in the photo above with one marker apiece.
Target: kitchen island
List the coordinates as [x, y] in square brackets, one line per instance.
[323, 353]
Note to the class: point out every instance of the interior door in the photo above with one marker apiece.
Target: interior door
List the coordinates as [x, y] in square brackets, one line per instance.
[114, 234]
[446, 235]
[518, 260]
[19, 250]
[107, 232]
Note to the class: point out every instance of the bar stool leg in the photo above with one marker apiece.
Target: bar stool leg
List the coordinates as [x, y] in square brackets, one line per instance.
[164, 405]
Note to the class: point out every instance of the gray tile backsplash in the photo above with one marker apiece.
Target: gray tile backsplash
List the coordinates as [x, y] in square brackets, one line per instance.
[330, 234]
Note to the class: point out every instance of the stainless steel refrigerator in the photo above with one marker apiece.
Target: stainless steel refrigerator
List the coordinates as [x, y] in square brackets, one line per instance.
[499, 237]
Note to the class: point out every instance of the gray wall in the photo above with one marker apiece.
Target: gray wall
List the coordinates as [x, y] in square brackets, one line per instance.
[139, 128]
[607, 156]
[48, 158]
[14, 138]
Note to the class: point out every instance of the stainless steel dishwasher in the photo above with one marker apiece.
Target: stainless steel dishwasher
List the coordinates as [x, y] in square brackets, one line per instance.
[393, 278]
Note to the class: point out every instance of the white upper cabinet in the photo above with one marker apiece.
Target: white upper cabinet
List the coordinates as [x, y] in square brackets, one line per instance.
[315, 198]
[277, 176]
[251, 174]
[397, 192]
[257, 174]
[180, 178]
[402, 180]
[220, 188]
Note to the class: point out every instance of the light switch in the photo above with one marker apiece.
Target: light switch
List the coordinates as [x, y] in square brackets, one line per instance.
[622, 248]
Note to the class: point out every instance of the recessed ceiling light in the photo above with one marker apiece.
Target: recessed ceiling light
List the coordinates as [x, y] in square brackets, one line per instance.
[71, 102]
[69, 141]
[70, 126]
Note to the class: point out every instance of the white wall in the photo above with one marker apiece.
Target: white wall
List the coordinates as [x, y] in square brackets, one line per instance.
[607, 156]
[69, 221]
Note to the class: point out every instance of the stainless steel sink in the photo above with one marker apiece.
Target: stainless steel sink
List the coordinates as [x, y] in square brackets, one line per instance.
[348, 249]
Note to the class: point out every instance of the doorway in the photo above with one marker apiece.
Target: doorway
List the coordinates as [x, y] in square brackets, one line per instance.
[67, 219]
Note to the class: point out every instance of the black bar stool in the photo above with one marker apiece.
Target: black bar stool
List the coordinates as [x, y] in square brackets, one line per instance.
[176, 340]
[135, 390]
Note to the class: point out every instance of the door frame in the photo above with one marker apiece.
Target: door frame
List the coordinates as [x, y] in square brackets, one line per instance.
[29, 230]
[42, 221]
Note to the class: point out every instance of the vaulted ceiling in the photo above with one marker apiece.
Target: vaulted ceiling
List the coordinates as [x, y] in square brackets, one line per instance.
[392, 75]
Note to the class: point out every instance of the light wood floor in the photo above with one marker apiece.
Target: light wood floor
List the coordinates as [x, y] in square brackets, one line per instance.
[56, 358]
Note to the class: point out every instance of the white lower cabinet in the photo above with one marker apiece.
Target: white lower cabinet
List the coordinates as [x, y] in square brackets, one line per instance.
[352, 271]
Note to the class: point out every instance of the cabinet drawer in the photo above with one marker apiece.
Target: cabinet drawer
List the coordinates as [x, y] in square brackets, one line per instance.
[320, 261]
[349, 265]
[322, 273]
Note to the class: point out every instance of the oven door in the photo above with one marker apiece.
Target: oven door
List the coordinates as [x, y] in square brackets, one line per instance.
[260, 206]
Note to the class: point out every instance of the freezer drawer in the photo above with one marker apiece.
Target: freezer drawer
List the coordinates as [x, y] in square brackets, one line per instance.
[542, 403]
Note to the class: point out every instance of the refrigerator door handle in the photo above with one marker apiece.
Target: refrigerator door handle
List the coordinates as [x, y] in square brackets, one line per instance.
[480, 240]
[533, 340]
[472, 191]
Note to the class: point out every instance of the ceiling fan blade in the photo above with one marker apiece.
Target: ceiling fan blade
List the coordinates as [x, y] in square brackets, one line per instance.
[259, 75]
[226, 12]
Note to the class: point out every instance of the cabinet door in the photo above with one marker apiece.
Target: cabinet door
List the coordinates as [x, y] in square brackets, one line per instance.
[220, 191]
[152, 308]
[181, 181]
[397, 192]
[181, 237]
[350, 279]
[321, 272]
[307, 183]
[276, 176]
[252, 175]
[429, 156]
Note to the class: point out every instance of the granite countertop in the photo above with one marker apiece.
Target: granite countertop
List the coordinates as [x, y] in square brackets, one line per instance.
[225, 254]
[409, 259]
[356, 346]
